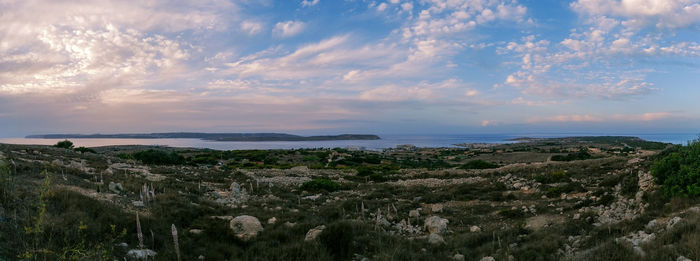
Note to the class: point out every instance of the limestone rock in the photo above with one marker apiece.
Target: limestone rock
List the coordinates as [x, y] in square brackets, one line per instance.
[474, 229]
[414, 213]
[141, 254]
[115, 187]
[435, 224]
[435, 239]
[488, 258]
[682, 258]
[436, 208]
[246, 227]
[272, 220]
[196, 231]
[314, 233]
[458, 257]
[673, 222]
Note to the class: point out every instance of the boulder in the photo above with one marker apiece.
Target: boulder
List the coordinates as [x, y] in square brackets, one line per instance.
[115, 187]
[436, 208]
[414, 213]
[488, 258]
[272, 221]
[474, 229]
[246, 227]
[435, 239]
[435, 224]
[672, 222]
[458, 257]
[314, 233]
[141, 254]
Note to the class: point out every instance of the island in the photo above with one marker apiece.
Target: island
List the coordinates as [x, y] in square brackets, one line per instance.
[211, 136]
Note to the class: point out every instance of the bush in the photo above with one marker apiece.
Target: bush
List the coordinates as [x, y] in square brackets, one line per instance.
[580, 155]
[158, 157]
[478, 164]
[65, 144]
[679, 172]
[556, 176]
[84, 150]
[320, 184]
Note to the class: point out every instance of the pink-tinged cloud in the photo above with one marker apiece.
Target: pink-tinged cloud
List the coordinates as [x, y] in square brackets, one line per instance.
[651, 116]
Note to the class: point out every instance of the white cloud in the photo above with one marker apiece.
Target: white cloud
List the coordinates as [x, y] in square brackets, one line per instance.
[660, 13]
[289, 28]
[307, 3]
[381, 7]
[251, 27]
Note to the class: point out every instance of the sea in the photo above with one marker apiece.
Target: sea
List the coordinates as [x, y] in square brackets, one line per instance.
[387, 141]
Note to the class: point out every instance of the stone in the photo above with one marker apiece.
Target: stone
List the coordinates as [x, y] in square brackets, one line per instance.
[289, 224]
[314, 233]
[115, 187]
[138, 204]
[682, 258]
[458, 257]
[652, 224]
[272, 220]
[435, 239]
[475, 229]
[141, 254]
[436, 208]
[673, 222]
[196, 231]
[487, 258]
[246, 227]
[414, 213]
[435, 224]
[577, 216]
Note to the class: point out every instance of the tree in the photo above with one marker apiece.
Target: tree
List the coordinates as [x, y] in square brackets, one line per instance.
[65, 144]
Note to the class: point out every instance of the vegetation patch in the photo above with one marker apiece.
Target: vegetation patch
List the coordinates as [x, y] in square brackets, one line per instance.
[479, 164]
[320, 184]
[679, 171]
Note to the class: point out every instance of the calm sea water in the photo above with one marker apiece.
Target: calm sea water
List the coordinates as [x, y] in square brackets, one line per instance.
[387, 141]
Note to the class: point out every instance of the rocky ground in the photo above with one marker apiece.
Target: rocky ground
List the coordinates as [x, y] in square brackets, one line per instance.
[527, 207]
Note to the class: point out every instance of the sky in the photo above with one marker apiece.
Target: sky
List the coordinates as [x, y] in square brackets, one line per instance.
[349, 66]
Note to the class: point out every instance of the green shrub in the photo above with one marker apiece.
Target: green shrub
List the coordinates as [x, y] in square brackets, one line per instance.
[679, 172]
[478, 164]
[320, 184]
[64, 144]
[580, 155]
[84, 150]
[556, 176]
[158, 157]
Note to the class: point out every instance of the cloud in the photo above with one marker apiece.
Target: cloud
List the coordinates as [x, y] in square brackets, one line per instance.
[289, 28]
[643, 117]
[307, 3]
[251, 27]
[638, 13]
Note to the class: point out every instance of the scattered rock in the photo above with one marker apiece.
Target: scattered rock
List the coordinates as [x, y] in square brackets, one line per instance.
[672, 222]
[314, 233]
[141, 254]
[414, 213]
[272, 220]
[458, 257]
[435, 224]
[289, 224]
[312, 197]
[475, 229]
[435, 239]
[196, 231]
[246, 227]
[138, 204]
[487, 258]
[115, 187]
[682, 258]
[652, 224]
[436, 208]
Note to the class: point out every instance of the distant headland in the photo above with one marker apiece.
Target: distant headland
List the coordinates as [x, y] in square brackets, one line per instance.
[211, 136]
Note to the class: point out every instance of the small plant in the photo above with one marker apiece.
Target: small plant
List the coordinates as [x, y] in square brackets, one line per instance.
[84, 150]
[478, 164]
[64, 144]
[175, 243]
[320, 184]
[679, 172]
